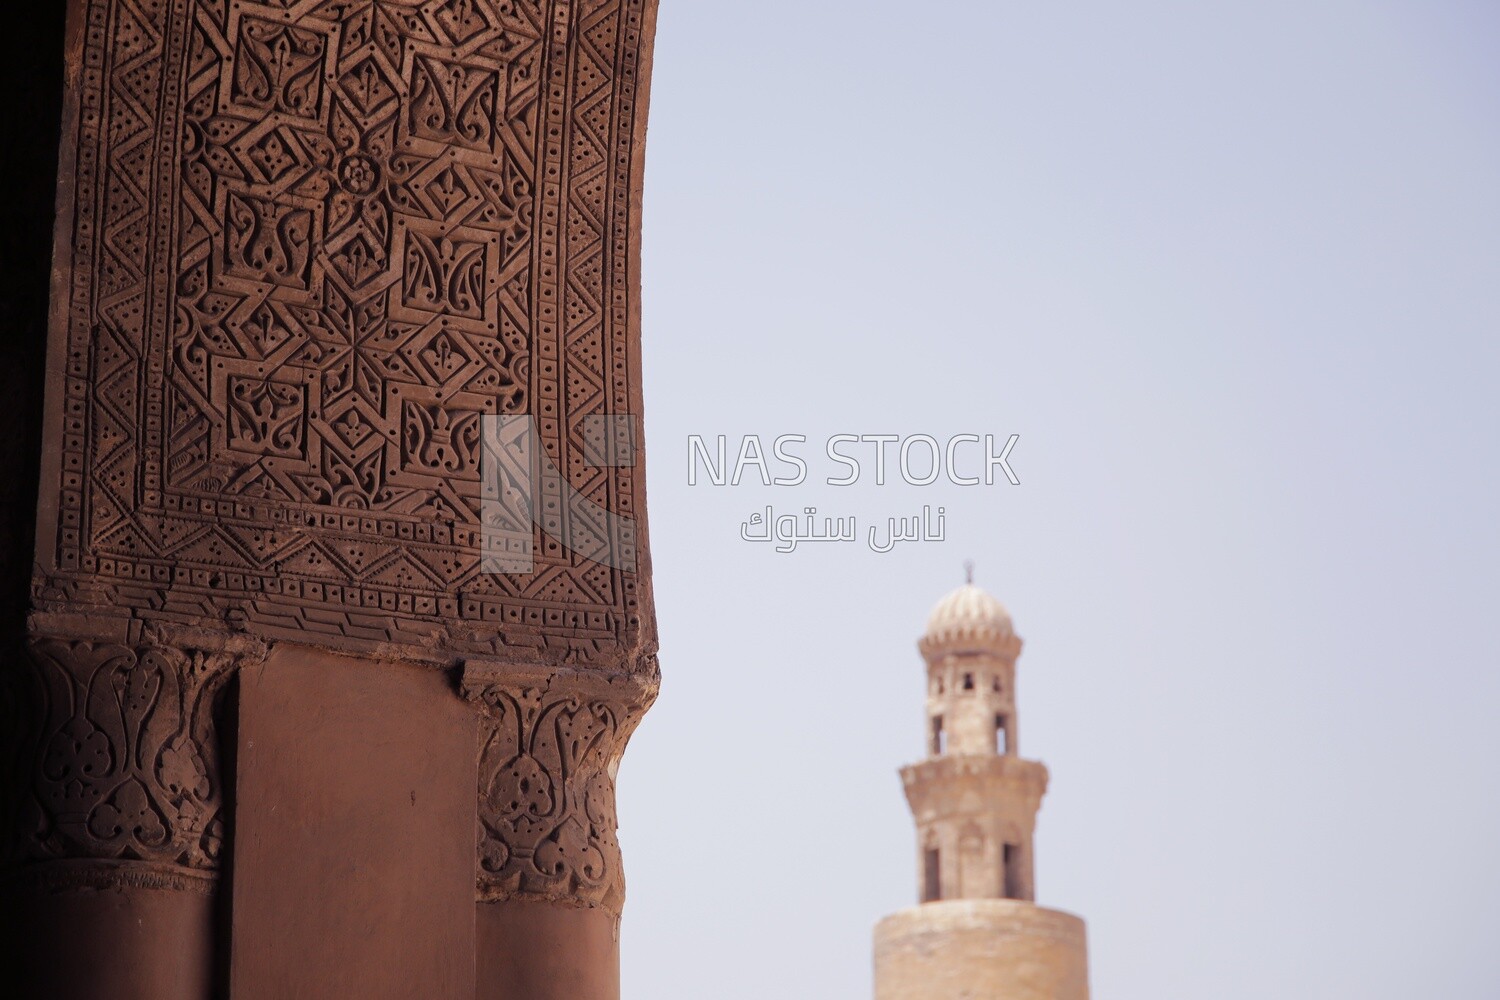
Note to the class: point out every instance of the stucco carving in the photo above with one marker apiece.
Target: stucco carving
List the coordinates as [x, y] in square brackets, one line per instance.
[550, 746]
[119, 748]
[308, 245]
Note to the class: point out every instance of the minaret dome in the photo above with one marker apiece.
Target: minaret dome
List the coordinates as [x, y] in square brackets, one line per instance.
[969, 620]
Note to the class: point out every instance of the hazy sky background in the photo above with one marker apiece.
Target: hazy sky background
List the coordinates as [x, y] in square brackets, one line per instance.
[1232, 271]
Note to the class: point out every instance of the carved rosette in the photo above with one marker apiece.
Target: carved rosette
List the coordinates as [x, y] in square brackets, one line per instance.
[117, 750]
[550, 745]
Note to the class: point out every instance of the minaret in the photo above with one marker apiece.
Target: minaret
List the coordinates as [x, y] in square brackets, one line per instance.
[977, 933]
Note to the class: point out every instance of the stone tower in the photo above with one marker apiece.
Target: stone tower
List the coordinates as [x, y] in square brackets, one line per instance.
[978, 934]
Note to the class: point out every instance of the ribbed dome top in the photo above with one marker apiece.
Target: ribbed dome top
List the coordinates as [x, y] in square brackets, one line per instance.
[968, 609]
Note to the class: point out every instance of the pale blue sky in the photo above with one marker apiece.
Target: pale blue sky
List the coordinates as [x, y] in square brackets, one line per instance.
[1232, 271]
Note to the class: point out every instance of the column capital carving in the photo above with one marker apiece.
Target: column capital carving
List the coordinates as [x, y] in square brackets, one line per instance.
[550, 745]
[118, 749]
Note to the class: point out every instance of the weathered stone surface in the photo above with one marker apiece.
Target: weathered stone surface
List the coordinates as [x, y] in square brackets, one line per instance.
[118, 747]
[304, 248]
[550, 746]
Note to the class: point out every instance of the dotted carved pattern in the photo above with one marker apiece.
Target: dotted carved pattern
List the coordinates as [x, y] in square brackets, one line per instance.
[548, 756]
[120, 748]
[312, 244]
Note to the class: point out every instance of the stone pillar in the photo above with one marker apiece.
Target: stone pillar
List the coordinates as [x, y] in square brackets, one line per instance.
[118, 832]
[353, 859]
[551, 879]
[303, 251]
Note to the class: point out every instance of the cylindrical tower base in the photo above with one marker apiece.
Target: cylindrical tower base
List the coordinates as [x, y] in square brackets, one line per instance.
[994, 949]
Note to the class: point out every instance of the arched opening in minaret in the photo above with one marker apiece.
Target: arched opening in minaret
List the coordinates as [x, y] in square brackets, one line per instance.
[968, 682]
[1011, 889]
[939, 739]
[1002, 735]
[932, 875]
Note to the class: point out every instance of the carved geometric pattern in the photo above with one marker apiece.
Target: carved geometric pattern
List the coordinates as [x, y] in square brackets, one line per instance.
[311, 244]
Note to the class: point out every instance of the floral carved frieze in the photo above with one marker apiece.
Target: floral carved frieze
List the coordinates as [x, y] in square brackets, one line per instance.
[550, 747]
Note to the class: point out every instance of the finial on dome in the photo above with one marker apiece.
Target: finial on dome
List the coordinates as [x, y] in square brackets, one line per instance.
[969, 571]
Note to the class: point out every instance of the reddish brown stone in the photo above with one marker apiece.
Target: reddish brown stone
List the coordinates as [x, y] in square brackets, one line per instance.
[353, 862]
[301, 250]
[547, 951]
[74, 931]
[304, 249]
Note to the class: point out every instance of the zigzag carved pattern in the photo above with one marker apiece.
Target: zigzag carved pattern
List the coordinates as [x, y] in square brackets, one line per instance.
[312, 244]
